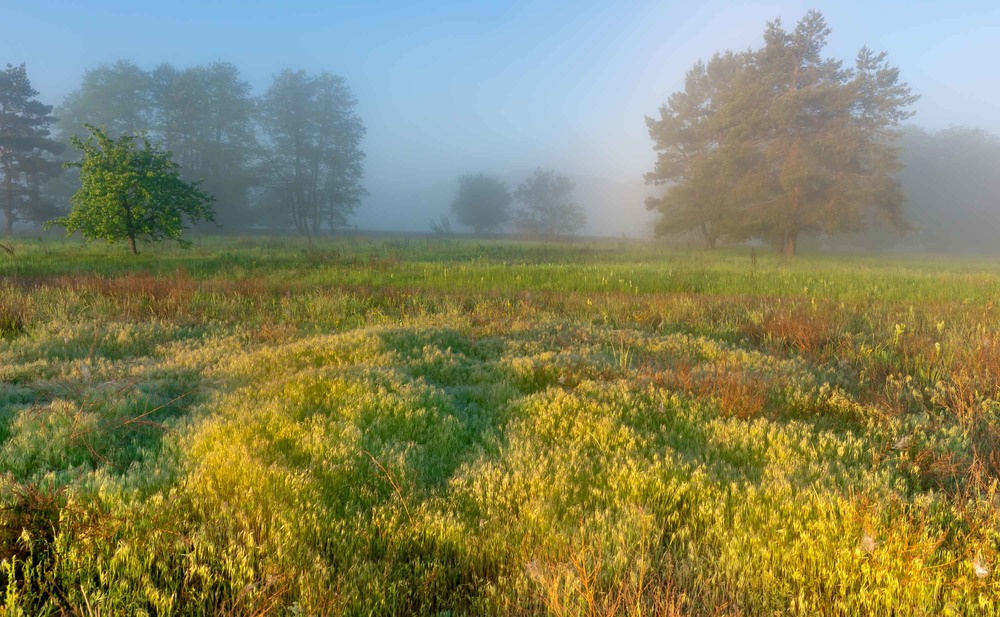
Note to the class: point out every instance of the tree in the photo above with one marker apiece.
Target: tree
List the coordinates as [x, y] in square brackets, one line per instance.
[692, 164]
[313, 155]
[482, 202]
[118, 97]
[131, 190]
[205, 116]
[26, 150]
[800, 145]
[548, 208]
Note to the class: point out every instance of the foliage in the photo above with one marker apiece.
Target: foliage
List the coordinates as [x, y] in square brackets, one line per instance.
[205, 116]
[115, 96]
[780, 141]
[482, 203]
[548, 210]
[26, 150]
[442, 226]
[695, 163]
[481, 427]
[292, 156]
[131, 192]
[314, 163]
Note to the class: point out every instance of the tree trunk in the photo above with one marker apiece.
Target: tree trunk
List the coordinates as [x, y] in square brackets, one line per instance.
[131, 245]
[8, 208]
[791, 244]
[709, 238]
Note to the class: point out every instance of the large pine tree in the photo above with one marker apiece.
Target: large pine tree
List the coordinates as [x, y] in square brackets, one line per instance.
[692, 165]
[783, 142]
[26, 151]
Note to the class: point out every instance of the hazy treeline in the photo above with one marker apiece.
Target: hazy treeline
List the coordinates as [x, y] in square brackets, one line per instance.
[289, 157]
[546, 198]
[952, 182]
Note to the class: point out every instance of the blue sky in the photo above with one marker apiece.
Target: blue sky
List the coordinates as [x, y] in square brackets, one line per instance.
[451, 87]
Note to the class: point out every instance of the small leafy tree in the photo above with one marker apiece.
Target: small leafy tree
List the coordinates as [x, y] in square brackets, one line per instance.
[131, 190]
[548, 208]
[482, 202]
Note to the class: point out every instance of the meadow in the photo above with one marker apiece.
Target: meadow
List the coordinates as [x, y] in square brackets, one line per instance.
[452, 427]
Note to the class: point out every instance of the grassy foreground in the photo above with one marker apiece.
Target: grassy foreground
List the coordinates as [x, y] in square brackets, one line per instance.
[427, 427]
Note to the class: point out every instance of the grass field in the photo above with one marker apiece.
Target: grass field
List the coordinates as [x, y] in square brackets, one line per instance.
[455, 427]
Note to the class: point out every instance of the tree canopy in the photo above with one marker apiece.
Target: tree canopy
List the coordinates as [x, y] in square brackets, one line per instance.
[548, 209]
[131, 191]
[290, 157]
[482, 202]
[26, 150]
[780, 141]
[205, 117]
[314, 158]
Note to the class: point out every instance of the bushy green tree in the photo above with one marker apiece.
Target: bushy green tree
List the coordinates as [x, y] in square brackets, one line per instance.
[548, 210]
[482, 202]
[131, 191]
[786, 143]
[204, 115]
[26, 150]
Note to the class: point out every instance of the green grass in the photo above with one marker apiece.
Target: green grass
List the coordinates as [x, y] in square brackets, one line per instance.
[461, 427]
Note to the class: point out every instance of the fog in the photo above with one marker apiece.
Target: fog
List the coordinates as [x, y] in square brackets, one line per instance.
[504, 88]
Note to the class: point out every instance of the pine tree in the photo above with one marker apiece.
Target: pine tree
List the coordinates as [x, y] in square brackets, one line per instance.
[26, 150]
[692, 162]
[790, 143]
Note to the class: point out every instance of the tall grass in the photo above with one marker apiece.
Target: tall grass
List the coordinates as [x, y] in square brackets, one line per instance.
[428, 427]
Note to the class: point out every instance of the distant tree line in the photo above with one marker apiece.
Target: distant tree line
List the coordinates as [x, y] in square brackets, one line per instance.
[289, 158]
[952, 182]
[547, 210]
[771, 144]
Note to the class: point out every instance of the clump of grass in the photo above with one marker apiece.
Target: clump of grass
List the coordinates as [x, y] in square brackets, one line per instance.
[13, 319]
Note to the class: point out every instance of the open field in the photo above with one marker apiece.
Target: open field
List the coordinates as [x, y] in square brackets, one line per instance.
[460, 427]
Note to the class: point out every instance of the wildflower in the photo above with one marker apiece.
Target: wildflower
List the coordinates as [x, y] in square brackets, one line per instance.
[979, 567]
[868, 542]
[902, 443]
[533, 570]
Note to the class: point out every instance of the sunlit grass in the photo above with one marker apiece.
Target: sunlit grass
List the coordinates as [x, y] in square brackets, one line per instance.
[425, 426]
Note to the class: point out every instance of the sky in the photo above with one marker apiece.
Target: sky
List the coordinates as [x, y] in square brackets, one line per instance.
[452, 87]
